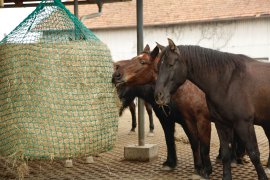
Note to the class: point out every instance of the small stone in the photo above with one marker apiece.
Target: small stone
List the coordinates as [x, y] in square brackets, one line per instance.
[150, 134]
[68, 163]
[89, 160]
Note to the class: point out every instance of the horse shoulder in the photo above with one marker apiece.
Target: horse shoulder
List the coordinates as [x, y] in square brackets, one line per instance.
[190, 99]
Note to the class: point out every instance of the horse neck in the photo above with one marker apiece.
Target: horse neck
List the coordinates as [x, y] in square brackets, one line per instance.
[145, 92]
[126, 95]
[211, 82]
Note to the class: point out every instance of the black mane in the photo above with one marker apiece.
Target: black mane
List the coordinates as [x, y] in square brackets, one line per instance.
[199, 58]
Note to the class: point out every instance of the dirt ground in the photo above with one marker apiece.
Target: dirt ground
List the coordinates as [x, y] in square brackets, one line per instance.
[112, 165]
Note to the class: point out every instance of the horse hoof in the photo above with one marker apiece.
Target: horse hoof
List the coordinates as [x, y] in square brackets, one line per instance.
[131, 132]
[150, 134]
[167, 168]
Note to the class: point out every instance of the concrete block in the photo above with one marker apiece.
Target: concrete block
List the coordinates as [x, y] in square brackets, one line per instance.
[147, 152]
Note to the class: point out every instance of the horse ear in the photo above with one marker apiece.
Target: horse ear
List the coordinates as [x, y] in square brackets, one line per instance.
[171, 44]
[160, 46]
[154, 53]
[146, 49]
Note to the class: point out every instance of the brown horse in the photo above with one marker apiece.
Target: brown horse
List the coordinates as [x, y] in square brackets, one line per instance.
[237, 88]
[128, 101]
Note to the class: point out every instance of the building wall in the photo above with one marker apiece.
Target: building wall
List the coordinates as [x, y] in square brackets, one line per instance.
[249, 37]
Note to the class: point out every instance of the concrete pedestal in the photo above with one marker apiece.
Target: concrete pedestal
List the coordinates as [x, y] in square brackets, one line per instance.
[147, 152]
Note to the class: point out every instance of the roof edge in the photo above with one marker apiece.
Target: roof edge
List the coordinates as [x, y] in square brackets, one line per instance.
[210, 20]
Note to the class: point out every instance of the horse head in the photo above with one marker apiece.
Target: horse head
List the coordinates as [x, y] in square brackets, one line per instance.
[172, 73]
[117, 74]
[139, 70]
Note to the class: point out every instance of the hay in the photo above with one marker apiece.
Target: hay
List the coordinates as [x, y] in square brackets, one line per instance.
[56, 99]
[56, 96]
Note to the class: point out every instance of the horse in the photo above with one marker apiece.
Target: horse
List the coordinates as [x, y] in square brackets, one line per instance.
[126, 100]
[237, 90]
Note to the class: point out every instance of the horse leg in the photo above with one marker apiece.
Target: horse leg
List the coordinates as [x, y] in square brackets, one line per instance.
[190, 129]
[225, 134]
[239, 149]
[204, 134]
[132, 108]
[171, 149]
[168, 126]
[219, 158]
[266, 129]
[150, 114]
[245, 130]
[234, 149]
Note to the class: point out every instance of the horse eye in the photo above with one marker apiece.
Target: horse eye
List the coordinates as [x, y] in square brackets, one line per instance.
[142, 62]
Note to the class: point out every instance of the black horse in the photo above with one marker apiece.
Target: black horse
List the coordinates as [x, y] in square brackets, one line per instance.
[237, 91]
[127, 100]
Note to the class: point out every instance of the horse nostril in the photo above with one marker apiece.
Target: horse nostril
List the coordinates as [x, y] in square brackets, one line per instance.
[117, 75]
[158, 96]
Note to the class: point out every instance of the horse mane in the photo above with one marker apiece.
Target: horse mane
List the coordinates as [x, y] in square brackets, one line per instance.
[199, 58]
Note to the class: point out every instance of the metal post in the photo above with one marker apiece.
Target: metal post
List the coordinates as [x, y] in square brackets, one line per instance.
[139, 50]
[76, 10]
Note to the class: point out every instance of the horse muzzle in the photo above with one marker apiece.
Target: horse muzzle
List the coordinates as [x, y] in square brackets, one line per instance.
[117, 79]
[161, 99]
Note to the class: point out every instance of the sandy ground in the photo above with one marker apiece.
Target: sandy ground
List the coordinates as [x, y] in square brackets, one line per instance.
[112, 165]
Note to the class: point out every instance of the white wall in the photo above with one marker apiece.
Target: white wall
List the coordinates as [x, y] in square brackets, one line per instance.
[250, 37]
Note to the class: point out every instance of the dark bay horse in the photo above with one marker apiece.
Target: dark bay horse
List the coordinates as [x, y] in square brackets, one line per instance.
[127, 100]
[237, 91]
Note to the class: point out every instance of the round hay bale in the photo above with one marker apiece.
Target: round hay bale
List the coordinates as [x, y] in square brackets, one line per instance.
[56, 96]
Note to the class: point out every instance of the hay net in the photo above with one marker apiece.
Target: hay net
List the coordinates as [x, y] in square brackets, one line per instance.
[56, 97]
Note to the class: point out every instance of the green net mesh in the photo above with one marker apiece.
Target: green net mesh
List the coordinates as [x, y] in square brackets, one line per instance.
[56, 97]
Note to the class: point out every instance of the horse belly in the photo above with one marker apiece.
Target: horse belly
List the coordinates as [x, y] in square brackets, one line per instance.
[262, 108]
